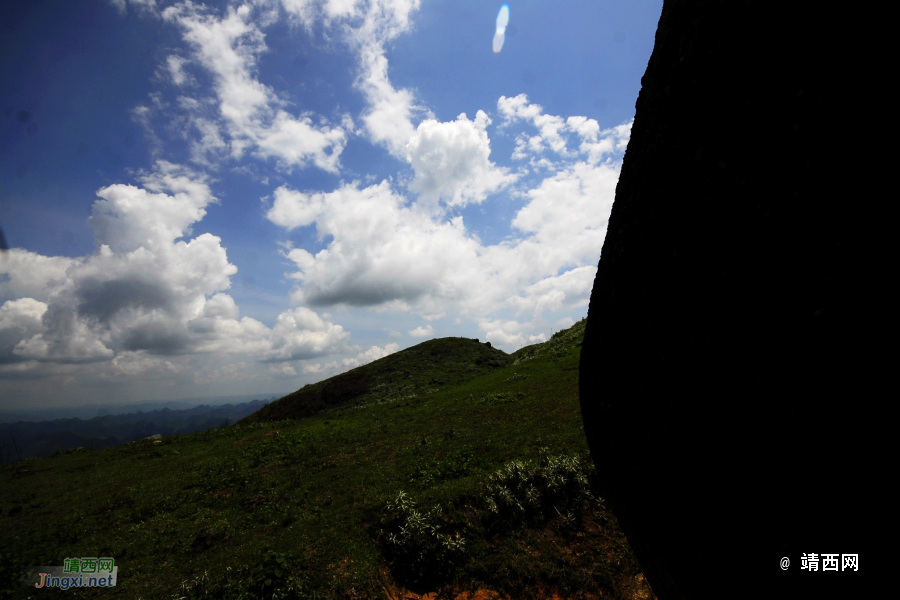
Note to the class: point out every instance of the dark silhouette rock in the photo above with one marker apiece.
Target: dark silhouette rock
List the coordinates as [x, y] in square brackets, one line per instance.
[488, 344]
[727, 364]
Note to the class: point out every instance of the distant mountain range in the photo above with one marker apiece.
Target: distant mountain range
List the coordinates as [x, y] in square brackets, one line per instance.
[30, 439]
[89, 411]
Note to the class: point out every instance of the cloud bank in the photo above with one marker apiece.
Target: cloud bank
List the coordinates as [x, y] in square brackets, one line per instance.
[152, 302]
[149, 291]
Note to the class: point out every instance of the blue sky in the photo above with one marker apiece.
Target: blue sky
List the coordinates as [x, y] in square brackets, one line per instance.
[205, 199]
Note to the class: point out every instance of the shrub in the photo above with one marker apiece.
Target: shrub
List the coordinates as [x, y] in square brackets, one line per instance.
[557, 486]
[420, 545]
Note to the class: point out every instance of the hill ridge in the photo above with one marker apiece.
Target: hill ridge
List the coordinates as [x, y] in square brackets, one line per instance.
[410, 373]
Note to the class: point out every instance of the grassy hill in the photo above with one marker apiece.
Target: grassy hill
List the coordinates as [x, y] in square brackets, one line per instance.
[406, 375]
[449, 467]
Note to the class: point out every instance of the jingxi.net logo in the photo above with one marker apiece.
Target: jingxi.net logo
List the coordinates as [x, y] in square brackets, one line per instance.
[78, 572]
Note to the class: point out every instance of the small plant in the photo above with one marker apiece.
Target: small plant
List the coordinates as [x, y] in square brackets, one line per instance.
[419, 544]
[267, 579]
[555, 486]
[500, 398]
[452, 465]
[192, 588]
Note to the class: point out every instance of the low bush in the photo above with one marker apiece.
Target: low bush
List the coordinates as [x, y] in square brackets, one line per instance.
[533, 493]
[423, 547]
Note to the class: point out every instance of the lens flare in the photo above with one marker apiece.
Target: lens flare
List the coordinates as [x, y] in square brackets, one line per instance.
[502, 21]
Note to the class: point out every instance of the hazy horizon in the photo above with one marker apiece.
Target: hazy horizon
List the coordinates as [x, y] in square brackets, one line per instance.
[206, 199]
[192, 402]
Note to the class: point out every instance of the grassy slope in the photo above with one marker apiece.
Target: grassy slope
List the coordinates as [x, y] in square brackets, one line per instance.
[406, 375]
[296, 508]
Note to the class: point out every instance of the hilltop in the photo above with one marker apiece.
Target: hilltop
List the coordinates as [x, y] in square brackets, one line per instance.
[462, 478]
[421, 370]
[406, 375]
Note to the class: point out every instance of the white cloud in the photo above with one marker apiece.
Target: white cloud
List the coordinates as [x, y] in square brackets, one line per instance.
[306, 11]
[381, 251]
[363, 358]
[286, 370]
[421, 332]
[367, 25]
[567, 216]
[504, 333]
[143, 7]
[30, 275]
[175, 65]
[372, 354]
[551, 127]
[254, 118]
[510, 333]
[19, 320]
[252, 114]
[128, 217]
[595, 145]
[388, 119]
[301, 334]
[569, 290]
[292, 209]
[146, 291]
[565, 323]
[452, 161]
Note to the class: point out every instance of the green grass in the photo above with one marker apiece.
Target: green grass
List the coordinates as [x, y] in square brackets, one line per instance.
[491, 461]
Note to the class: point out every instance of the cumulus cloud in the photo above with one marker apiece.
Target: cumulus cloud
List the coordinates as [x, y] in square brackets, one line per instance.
[302, 334]
[566, 217]
[569, 290]
[594, 144]
[421, 332]
[31, 275]
[19, 320]
[255, 118]
[372, 354]
[509, 333]
[597, 144]
[551, 127]
[127, 217]
[381, 250]
[146, 291]
[565, 323]
[388, 253]
[363, 358]
[452, 161]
